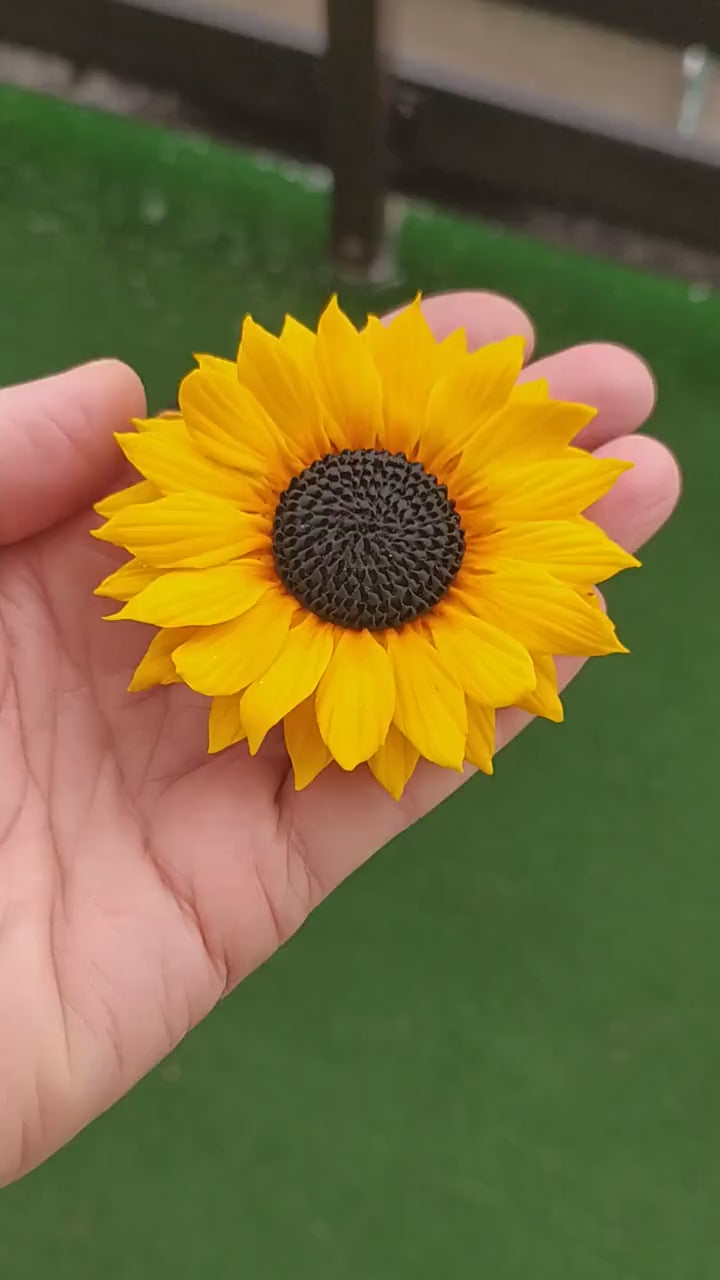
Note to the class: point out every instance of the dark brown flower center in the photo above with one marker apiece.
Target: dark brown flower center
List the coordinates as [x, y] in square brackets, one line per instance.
[366, 539]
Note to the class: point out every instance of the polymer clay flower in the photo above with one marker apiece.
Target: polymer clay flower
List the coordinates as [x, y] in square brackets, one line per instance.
[372, 538]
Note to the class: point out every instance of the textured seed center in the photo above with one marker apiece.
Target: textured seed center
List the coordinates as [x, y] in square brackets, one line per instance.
[365, 538]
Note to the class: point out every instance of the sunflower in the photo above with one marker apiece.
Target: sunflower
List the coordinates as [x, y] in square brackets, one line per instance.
[372, 537]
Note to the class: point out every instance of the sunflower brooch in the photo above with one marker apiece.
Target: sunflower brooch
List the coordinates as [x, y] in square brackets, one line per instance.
[372, 537]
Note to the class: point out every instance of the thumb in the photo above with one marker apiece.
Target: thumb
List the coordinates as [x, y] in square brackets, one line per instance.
[57, 452]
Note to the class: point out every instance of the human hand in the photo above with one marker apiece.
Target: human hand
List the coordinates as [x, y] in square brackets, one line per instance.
[141, 879]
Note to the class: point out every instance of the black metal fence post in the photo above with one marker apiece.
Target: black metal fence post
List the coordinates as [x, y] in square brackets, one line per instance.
[357, 124]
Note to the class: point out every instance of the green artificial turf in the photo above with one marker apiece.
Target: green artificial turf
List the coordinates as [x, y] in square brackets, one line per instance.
[494, 1054]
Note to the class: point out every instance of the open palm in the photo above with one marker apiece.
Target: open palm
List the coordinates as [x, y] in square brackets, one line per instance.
[141, 879]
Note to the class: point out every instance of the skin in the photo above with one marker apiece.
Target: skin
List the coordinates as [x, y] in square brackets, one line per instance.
[140, 879]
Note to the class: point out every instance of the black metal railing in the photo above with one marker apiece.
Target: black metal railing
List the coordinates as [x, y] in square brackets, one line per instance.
[675, 22]
[472, 143]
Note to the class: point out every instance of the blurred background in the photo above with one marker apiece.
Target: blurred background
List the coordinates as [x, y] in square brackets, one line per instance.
[495, 1052]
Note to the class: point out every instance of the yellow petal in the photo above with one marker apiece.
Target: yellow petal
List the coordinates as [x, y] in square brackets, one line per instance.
[285, 388]
[374, 335]
[405, 353]
[298, 340]
[430, 703]
[349, 382]
[522, 432]
[225, 726]
[156, 423]
[470, 393]
[157, 666]
[481, 735]
[143, 491]
[394, 762]
[228, 425]
[545, 615]
[450, 352]
[187, 530]
[544, 700]
[170, 460]
[217, 365]
[308, 753]
[557, 490]
[199, 597]
[356, 698]
[591, 596]
[225, 659]
[293, 677]
[576, 551]
[127, 581]
[491, 665]
[535, 392]
[447, 353]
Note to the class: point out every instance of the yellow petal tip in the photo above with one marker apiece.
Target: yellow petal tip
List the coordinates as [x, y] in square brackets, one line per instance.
[300, 783]
[101, 533]
[250, 325]
[515, 341]
[333, 307]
